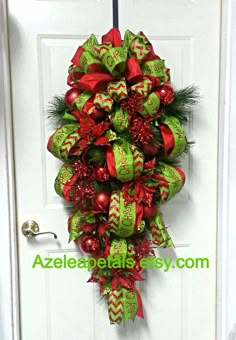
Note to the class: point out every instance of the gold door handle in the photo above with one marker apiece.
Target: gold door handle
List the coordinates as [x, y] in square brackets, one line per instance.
[30, 229]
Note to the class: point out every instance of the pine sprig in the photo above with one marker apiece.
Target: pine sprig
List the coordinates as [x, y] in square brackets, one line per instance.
[96, 155]
[188, 147]
[56, 110]
[183, 103]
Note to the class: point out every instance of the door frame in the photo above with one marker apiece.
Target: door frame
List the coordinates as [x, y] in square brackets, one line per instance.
[10, 301]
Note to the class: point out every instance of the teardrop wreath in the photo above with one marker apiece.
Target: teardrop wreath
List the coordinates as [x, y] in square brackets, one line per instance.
[120, 137]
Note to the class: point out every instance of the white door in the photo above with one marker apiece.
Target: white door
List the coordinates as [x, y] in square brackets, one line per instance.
[57, 304]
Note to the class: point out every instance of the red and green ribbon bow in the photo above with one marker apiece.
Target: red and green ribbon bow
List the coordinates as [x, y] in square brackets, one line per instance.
[100, 71]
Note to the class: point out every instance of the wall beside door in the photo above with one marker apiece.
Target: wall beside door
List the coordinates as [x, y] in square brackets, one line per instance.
[8, 250]
[231, 237]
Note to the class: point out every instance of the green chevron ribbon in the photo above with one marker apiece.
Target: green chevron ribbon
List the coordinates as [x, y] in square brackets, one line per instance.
[122, 305]
[142, 87]
[118, 90]
[103, 101]
[160, 235]
[63, 140]
[115, 306]
[171, 180]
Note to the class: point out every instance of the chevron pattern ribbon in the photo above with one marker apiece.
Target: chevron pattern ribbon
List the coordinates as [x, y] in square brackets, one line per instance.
[124, 218]
[171, 180]
[116, 306]
[123, 304]
[160, 235]
[60, 144]
[96, 67]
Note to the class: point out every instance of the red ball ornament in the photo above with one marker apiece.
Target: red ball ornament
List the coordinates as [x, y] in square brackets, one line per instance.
[101, 174]
[167, 94]
[150, 150]
[98, 115]
[102, 201]
[149, 212]
[71, 95]
[89, 244]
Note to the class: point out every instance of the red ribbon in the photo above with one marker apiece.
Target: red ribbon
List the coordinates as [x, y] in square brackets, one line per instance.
[142, 192]
[133, 70]
[182, 174]
[113, 37]
[94, 81]
[140, 304]
[168, 139]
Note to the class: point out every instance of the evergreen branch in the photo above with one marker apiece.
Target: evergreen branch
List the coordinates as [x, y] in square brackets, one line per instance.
[56, 110]
[96, 154]
[183, 103]
[188, 147]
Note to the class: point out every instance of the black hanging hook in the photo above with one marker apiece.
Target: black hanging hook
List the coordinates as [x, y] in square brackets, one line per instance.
[115, 8]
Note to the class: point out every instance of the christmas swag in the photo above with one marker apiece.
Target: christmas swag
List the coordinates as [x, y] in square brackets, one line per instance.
[120, 136]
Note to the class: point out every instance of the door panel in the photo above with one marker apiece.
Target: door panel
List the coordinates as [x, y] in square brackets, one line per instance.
[57, 304]
[183, 35]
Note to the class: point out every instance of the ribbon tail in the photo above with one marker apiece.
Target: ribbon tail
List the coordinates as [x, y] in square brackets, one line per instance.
[140, 304]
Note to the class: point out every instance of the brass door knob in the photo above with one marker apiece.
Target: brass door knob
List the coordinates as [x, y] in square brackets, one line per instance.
[30, 229]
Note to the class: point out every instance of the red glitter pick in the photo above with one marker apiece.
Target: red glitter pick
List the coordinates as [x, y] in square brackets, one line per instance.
[134, 103]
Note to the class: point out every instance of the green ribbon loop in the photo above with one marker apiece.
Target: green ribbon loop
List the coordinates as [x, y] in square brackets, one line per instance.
[118, 90]
[151, 105]
[160, 235]
[64, 176]
[103, 101]
[120, 119]
[128, 37]
[180, 139]
[98, 50]
[62, 141]
[127, 218]
[123, 161]
[68, 116]
[130, 303]
[122, 218]
[86, 61]
[172, 181]
[143, 87]
[114, 57]
[90, 42]
[138, 47]
[155, 68]
[82, 99]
